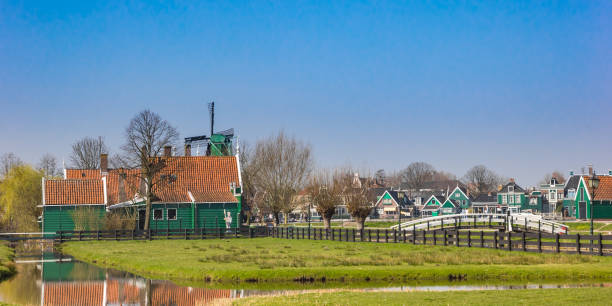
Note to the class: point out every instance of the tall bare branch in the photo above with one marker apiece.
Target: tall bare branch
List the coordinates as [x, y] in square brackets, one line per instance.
[86, 152]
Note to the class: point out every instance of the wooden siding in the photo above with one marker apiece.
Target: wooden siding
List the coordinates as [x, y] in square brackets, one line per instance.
[59, 217]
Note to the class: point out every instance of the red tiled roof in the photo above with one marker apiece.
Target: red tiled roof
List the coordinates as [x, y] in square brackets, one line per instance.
[83, 174]
[604, 190]
[74, 192]
[208, 179]
[84, 293]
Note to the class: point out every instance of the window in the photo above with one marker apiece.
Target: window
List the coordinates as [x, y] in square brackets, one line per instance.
[510, 188]
[158, 214]
[511, 199]
[518, 199]
[457, 195]
[503, 197]
[553, 196]
[171, 213]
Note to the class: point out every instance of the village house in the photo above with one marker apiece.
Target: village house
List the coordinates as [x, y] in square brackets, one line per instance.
[513, 196]
[486, 203]
[391, 202]
[198, 192]
[579, 196]
[552, 195]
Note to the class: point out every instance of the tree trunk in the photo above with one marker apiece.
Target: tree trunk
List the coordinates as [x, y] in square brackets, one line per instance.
[327, 222]
[276, 218]
[148, 212]
[286, 217]
[360, 222]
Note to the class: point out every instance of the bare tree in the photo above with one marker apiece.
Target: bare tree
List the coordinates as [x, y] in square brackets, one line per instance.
[48, 165]
[325, 191]
[416, 175]
[355, 194]
[146, 136]
[8, 161]
[248, 169]
[283, 166]
[480, 179]
[86, 152]
[556, 174]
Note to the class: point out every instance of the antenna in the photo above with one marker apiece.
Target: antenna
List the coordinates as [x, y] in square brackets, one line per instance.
[211, 114]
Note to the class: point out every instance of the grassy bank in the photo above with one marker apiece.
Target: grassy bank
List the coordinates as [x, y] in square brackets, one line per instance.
[278, 260]
[574, 296]
[7, 267]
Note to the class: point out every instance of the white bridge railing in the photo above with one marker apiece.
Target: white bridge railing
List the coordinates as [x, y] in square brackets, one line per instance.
[526, 221]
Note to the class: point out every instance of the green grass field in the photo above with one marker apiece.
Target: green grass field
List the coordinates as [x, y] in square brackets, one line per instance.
[573, 296]
[7, 268]
[279, 260]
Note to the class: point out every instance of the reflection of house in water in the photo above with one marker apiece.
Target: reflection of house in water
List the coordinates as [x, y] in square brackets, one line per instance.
[76, 283]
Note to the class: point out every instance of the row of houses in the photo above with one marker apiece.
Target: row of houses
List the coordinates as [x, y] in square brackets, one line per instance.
[572, 199]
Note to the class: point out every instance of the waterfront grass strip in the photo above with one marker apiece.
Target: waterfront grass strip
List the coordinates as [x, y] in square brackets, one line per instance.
[571, 296]
[278, 260]
[7, 266]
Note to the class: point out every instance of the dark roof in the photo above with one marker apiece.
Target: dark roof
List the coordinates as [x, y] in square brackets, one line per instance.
[398, 196]
[517, 188]
[572, 183]
[485, 198]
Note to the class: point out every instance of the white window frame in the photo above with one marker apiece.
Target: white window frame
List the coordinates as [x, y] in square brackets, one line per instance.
[162, 214]
[168, 214]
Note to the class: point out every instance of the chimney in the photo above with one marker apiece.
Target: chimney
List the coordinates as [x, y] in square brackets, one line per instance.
[187, 150]
[609, 172]
[167, 151]
[590, 170]
[104, 163]
[571, 173]
[512, 180]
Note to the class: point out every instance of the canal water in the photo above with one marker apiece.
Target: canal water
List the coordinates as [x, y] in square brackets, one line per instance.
[53, 279]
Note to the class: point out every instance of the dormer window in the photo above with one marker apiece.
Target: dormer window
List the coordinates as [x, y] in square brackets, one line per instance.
[510, 188]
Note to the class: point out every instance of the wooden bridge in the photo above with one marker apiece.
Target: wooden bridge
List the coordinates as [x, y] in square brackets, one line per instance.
[509, 223]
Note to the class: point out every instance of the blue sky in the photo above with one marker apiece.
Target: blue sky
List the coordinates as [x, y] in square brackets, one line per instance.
[522, 87]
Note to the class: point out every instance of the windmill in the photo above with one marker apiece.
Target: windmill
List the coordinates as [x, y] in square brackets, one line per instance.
[217, 144]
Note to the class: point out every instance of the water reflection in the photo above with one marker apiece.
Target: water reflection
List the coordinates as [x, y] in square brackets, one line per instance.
[53, 279]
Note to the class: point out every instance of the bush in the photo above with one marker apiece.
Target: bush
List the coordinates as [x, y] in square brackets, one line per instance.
[121, 219]
[87, 219]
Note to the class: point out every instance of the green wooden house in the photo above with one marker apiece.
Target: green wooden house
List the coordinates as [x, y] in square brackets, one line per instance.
[579, 198]
[197, 192]
[450, 207]
[461, 197]
[513, 196]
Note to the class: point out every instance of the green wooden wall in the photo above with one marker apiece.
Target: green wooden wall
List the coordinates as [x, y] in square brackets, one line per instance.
[60, 217]
[205, 215]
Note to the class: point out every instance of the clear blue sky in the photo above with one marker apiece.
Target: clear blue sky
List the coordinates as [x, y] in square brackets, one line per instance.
[522, 87]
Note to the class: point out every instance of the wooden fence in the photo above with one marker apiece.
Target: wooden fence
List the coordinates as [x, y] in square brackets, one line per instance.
[512, 241]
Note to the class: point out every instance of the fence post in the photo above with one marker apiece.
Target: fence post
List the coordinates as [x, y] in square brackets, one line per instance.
[369, 235]
[578, 243]
[495, 239]
[353, 230]
[524, 242]
[386, 235]
[428, 225]
[394, 236]
[404, 235]
[80, 235]
[509, 241]
[539, 225]
[490, 221]
[250, 232]
[98, 235]
[424, 237]
[539, 241]
[469, 239]
[434, 237]
[444, 231]
[557, 242]
[600, 245]
[116, 235]
[186, 238]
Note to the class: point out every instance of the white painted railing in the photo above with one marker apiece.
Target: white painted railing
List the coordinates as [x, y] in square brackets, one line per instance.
[529, 221]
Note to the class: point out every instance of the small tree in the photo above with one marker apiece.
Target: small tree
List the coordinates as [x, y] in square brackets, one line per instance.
[21, 195]
[481, 180]
[325, 194]
[8, 161]
[48, 166]
[86, 152]
[283, 165]
[146, 136]
[355, 194]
